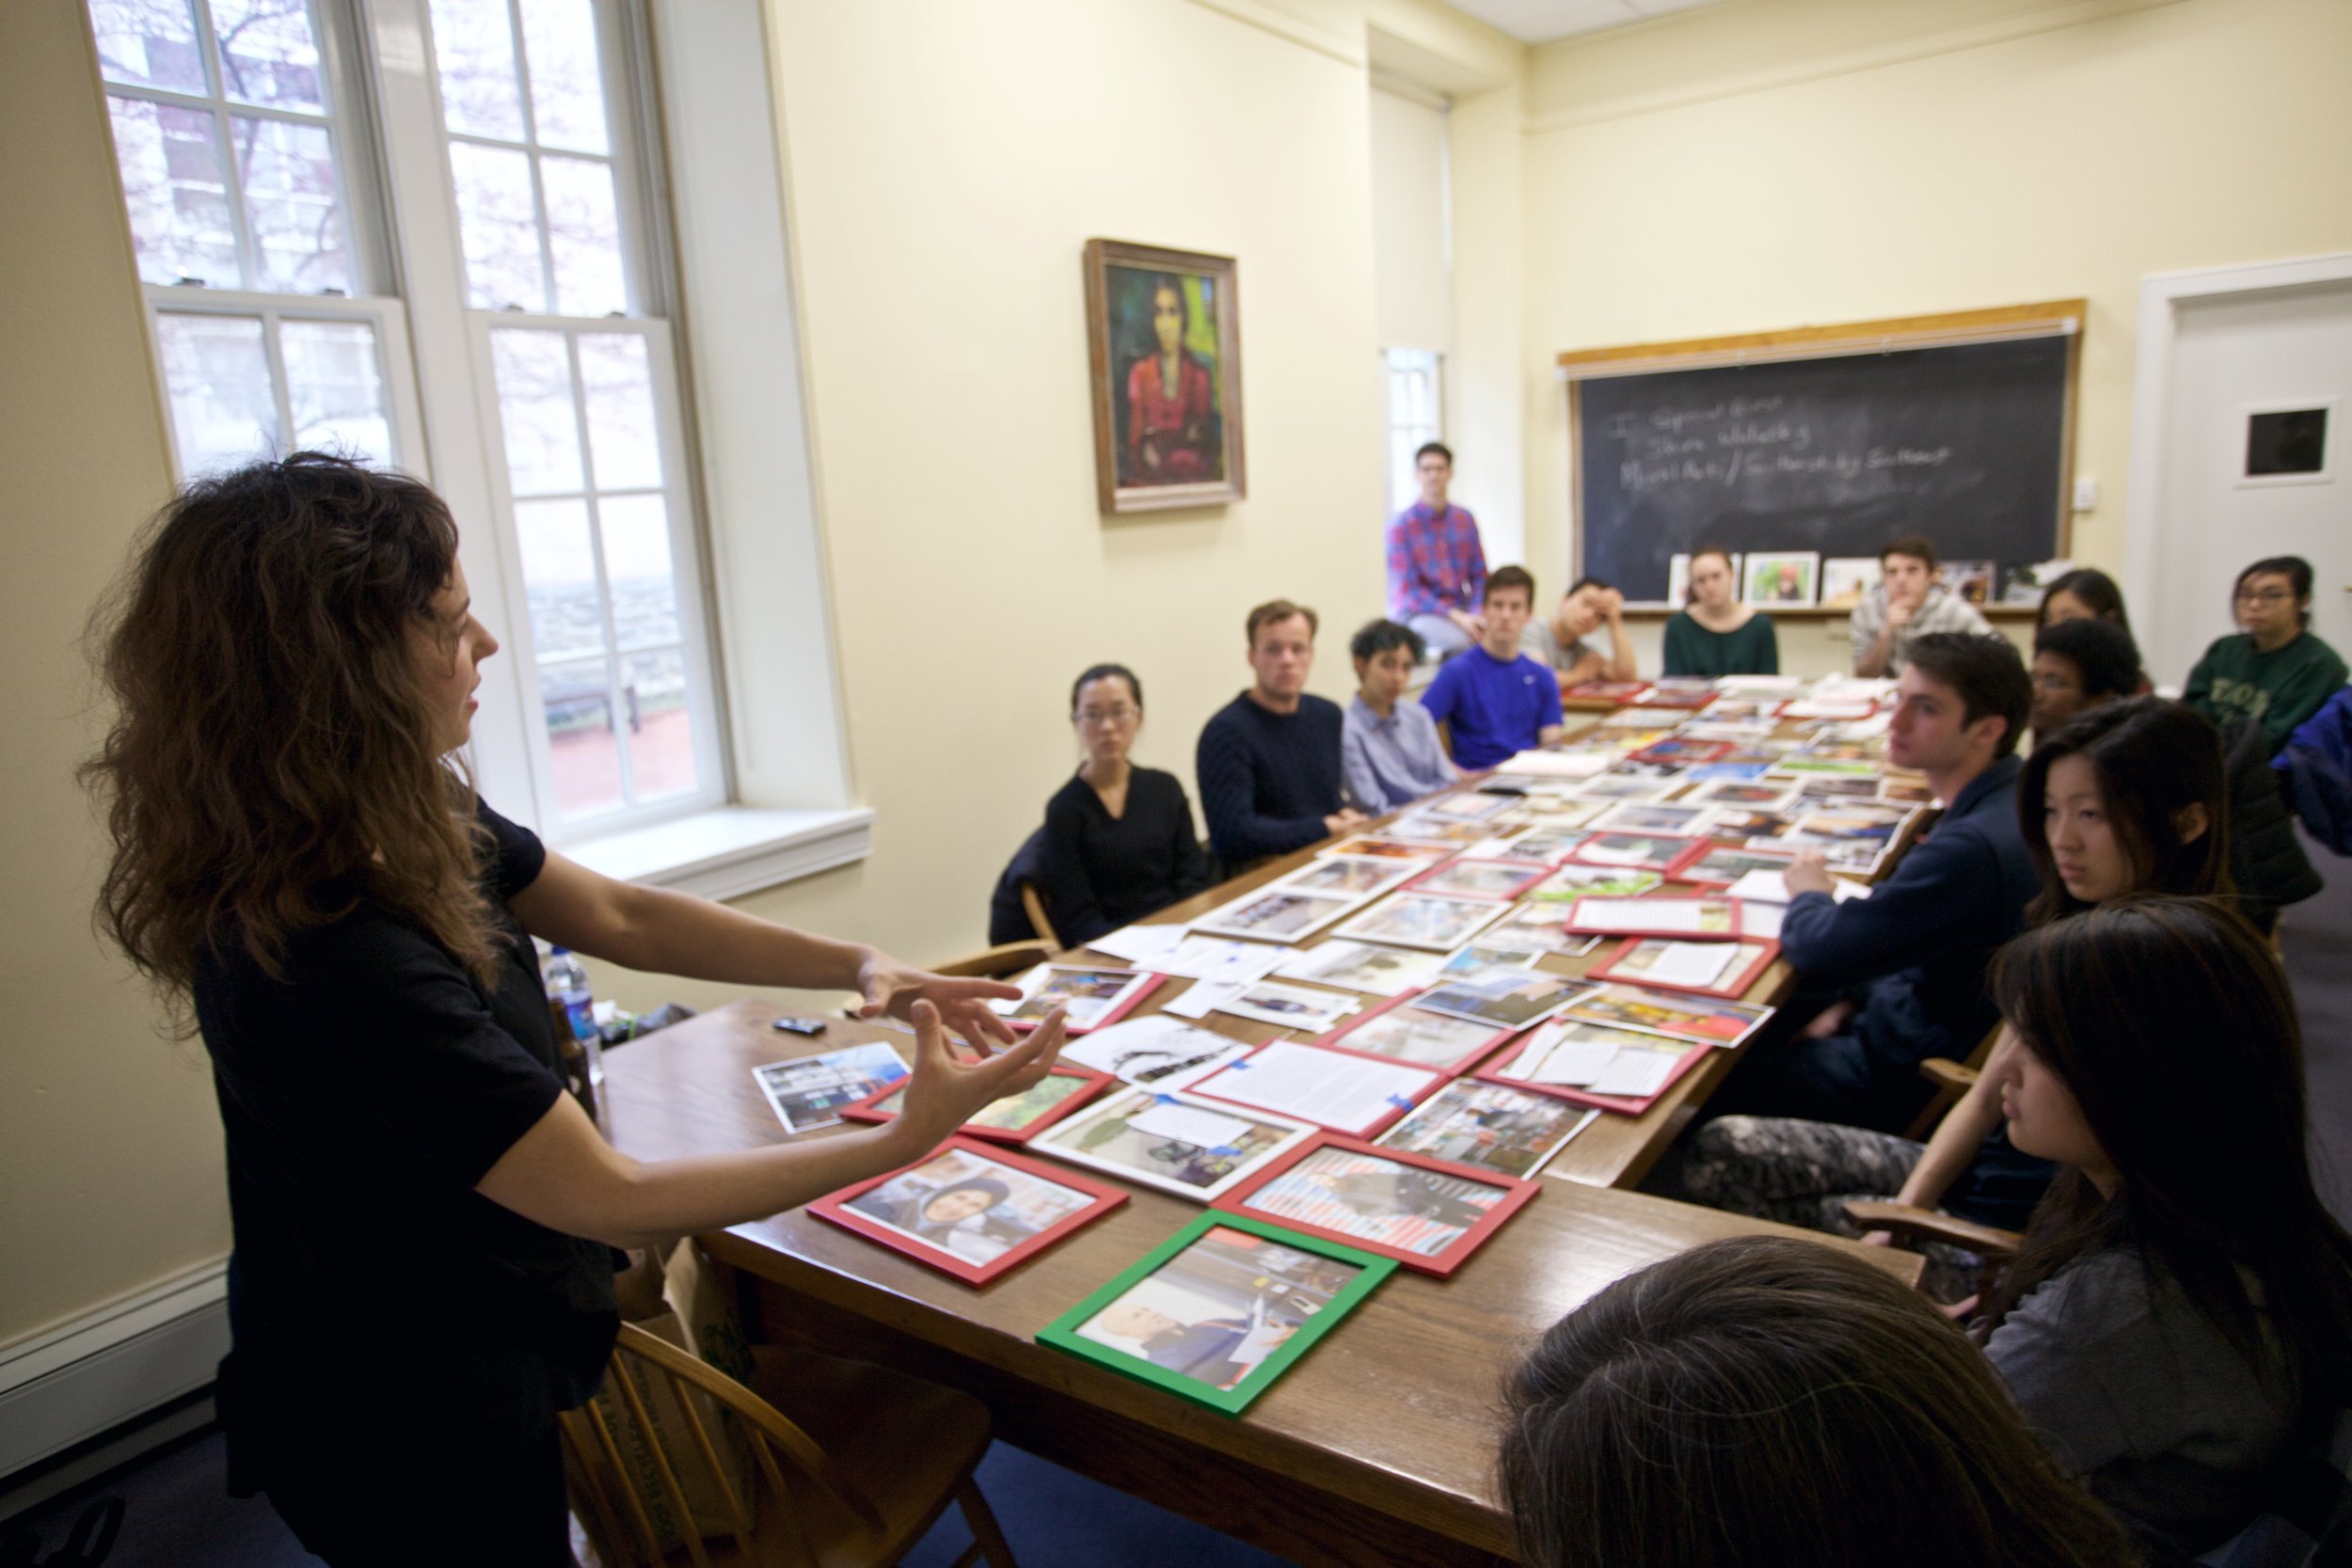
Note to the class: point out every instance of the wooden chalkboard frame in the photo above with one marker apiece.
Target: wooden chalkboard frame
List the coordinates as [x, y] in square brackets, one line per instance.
[2047, 318]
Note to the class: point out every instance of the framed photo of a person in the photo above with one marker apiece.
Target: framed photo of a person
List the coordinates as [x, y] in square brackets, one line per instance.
[968, 1210]
[1425, 1213]
[1164, 346]
[1783, 577]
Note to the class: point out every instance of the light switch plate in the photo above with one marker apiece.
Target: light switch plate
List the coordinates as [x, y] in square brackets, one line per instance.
[2086, 495]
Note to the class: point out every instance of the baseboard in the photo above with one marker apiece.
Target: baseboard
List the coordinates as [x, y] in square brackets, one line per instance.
[69, 1383]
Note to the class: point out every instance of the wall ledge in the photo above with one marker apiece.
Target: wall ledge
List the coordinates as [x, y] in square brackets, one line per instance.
[733, 850]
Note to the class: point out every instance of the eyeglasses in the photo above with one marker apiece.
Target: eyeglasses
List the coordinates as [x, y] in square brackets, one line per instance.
[1121, 715]
[2264, 595]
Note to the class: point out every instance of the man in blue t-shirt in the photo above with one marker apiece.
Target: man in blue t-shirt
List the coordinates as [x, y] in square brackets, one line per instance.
[1495, 701]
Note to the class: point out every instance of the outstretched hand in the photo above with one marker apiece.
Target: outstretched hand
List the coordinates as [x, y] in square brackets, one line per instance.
[947, 1090]
[962, 1004]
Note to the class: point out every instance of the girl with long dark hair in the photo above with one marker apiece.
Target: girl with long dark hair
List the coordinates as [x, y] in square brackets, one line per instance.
[2275, 670]
[2180, 1317]
[423, 1273]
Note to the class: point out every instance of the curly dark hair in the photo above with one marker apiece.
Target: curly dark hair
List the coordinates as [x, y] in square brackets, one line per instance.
[271, 758]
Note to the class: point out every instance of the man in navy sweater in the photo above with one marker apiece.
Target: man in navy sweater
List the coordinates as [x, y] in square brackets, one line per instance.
[1911, 957]
[1268, 765]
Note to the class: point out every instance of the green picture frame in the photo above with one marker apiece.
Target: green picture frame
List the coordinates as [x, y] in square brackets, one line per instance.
[1064, 1332]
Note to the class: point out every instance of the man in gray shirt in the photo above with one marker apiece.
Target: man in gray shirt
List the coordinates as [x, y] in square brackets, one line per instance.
[1906, 604]
[1389, 747]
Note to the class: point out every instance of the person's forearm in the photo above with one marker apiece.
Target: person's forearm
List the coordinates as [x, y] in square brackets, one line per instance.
[668, 932]
[710, 1192]
[1871, 661]
[1620, 652]
[1953, 1147]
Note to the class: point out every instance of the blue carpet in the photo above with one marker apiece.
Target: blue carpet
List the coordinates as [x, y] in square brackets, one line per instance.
[179, 1515]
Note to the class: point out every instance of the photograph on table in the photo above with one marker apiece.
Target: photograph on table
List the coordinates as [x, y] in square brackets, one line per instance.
[1662, 854]
[1220, 1310]
[1346, 875]
[1682, 750]
[1616, 693]
[1743, 823]
[1219, 960]
[1493, 1127]
[1399, 1031]
[1622, 787]
[811, 1091]
[1846, 579]
[1363, 966]
[1801, 765]
[1573, 881]
[1451, 833]
[1469, 805]
[1155, 1051]
[1539, 924]
[1169, 1142]
[1595, 1064]
[1478, 957]
[1426, 1214]
[1721, 969]
[1677, 820]
[1356, 1094]
[968, 1210]
[1782, 577]
[1695, 915]
[1854, 823]
[1289, 1007]
[1422, 920]
[1497, 879]
[1014, 1119]
[1720, 867]
[1750, 793]
[1559, 814]
[1088, 997]
[1504, 998]
[1375, 847]
[1544, 844]
[1811, 792]
[1676, 1015]
[1276, 914]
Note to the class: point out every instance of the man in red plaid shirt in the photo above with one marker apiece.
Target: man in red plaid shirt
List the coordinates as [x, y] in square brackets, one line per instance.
[1437, 568]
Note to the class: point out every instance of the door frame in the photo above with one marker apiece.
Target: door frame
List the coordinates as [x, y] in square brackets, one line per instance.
[2162, 296]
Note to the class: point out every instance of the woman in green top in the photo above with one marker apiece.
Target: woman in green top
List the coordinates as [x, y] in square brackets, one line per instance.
[2274, 671]
[1718, 635]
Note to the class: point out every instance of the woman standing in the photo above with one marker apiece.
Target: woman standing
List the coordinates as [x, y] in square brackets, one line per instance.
[2274, 671]
[422, 1273]
[1119, 843]
[1716, 635]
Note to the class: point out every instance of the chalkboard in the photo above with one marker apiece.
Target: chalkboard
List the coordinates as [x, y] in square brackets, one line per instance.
[1965, 443]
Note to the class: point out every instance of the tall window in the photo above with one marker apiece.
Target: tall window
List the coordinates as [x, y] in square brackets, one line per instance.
[1413, 418]
[247, 137]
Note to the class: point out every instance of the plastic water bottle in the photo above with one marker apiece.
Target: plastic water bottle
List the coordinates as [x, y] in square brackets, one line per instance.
[576, 1032]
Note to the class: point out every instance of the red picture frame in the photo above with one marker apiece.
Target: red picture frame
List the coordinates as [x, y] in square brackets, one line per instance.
[1153, 981]
[1674, 752]
[1694, 849]
[1516, 1191]
[1336, 1039]
[1623, 1104]
[1537, 871]
[834, 1208]
[870, 1109]
[1732, 988]
[1732, 935]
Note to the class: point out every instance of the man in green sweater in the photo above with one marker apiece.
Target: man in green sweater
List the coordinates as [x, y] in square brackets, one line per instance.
[2274, 671]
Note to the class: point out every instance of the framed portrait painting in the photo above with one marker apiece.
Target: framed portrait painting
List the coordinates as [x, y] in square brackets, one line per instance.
[1164, 346]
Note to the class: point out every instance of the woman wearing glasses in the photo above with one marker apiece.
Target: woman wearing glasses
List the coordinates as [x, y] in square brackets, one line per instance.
[1119, 843]
[2274, 671]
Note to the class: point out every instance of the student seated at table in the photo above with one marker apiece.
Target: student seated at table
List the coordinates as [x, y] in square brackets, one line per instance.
[2177, 1325]
[1269, 762]
[1119, 842]
[1909, 958]
[1495, 701]
[1906, 603]
[1390, 743]
[2128, 800]
[2078, 664]
[1588, 606]
[2274, 671]
[1762, 1400]
[2085, 593]
[1436, 566]
[1715, 635]
[424, 1218]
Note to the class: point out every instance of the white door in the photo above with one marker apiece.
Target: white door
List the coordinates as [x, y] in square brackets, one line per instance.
[2238, 362]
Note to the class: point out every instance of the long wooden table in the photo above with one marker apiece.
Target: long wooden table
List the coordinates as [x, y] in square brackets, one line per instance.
[1374, 1451]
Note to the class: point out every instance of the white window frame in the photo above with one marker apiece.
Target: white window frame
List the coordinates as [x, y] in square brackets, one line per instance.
[1403, 485]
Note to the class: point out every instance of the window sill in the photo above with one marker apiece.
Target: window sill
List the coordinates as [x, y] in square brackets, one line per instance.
[733, 850]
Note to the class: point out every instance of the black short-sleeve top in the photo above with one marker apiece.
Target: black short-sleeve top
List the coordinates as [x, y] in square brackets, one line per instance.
[363, 1096]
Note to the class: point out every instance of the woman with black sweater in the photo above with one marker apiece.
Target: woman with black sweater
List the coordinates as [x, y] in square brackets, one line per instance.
[1119, 843]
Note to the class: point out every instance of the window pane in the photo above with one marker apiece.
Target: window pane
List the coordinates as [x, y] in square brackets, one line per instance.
[559, 579]
[583, 754]
[567, 83]
[177, 194]
[499, 229]
[268, 54]
[660, 722]
[217, 378]
[148, 43]
[637, 567]
[475, 49]
[336, 384]
[583, 237]
[623, 442]
[291, 198]
[535, 407]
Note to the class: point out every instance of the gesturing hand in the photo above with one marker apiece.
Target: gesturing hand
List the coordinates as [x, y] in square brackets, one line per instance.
[889, 986]
[947, 1090]
[1808, 872]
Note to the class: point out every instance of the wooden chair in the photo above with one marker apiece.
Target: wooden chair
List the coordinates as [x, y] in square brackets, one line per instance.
[855, 1462]
[1994, 1246]
[1952, 1080]
[1034, 907]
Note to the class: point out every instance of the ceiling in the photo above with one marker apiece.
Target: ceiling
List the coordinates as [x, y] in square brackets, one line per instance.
[1542, 20]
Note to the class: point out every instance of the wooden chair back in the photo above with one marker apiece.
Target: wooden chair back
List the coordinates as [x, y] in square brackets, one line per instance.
[616, 1492]
[1952, 1080]
[990, 963]
[1994, 1246]
[1034, 907]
